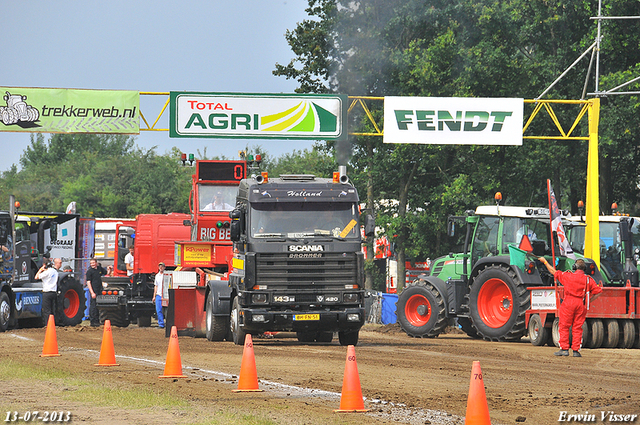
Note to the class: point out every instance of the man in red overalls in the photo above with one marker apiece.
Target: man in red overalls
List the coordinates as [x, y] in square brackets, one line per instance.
[573, 311]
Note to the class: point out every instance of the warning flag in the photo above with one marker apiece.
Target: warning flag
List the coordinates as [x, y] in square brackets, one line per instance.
[556, 224]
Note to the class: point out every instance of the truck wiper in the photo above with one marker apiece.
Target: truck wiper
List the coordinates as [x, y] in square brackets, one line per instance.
[267, 235]
[323, 233]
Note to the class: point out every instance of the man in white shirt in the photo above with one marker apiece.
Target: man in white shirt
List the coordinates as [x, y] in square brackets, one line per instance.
[128, 261]
[157, 293]
[49, 276]
[217, 204]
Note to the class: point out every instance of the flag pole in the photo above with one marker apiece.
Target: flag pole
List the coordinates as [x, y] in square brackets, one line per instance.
[553, 241]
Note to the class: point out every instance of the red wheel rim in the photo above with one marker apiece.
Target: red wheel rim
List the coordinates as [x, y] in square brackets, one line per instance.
[495, 303]
[71, 297]
[411, 310]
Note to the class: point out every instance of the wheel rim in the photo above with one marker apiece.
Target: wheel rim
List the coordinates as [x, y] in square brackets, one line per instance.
[495, 303]
[535, 329]
[414, 307]
[72, 302]
[5, 312]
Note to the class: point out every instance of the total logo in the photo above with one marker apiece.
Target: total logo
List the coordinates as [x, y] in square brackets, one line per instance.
[213, 233]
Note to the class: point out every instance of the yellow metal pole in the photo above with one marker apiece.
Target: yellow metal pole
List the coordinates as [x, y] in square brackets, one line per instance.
[592, 233]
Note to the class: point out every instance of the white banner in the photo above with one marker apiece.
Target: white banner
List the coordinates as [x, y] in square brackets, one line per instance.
[453, 120]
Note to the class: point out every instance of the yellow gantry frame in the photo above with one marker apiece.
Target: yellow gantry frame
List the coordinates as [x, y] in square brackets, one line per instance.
[589, 107]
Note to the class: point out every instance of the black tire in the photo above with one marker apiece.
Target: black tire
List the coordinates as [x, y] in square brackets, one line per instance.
[596, 334]
[585, 334]
[324, 336]
[237, 332]
[555, 332]
[421, 310]
[144, 321]
[5, 311]
[306, 336]
[628, 334]
[467, 327]
[117, 316]
[498, 301]
[538, 334]
[70, 303]
[612, 334]
[348, 337]
[637, 325]
[216, 326]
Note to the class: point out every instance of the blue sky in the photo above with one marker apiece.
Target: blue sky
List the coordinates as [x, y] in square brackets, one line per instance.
[150, 46]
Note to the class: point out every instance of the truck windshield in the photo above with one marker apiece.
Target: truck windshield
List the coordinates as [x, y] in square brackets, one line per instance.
[216, 198]
[304, 219]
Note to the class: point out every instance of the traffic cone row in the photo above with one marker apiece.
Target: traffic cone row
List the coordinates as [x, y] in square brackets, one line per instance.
[351, 399]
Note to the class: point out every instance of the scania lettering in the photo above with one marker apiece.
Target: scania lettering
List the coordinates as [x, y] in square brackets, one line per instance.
[436, 120]
[305, 248]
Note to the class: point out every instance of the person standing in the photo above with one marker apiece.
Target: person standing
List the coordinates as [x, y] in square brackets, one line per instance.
[157, 293]
[128, 261]
[49, 276]
[579, 288]
[94, 284]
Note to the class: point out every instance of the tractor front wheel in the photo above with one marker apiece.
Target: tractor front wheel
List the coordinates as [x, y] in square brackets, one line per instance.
[421, 311]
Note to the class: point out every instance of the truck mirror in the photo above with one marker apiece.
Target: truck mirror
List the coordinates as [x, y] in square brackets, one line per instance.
[624, 229]
[234, 231]
[186, 222]
[369, 225]
[451, 228]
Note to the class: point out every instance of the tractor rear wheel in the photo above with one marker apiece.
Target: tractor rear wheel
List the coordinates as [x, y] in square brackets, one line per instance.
[538, 334]
[70, 303]
[498, 301]
[421, 311]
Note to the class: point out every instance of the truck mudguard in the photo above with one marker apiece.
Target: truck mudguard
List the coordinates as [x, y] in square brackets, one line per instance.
[221, 297]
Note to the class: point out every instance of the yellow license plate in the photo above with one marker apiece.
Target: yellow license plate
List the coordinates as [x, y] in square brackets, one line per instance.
[306, 317]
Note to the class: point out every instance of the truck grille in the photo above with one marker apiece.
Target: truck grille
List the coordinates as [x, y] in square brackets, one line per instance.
[332, 270]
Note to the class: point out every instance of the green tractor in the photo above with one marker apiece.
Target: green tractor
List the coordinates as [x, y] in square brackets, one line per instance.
[486, 287]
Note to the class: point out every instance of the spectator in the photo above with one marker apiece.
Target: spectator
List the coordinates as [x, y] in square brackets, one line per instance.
[217, 204]
[157, 293]
[128, 261]
[49, 275]
[94, 284]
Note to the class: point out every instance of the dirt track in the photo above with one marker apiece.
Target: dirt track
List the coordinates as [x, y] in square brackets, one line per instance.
[410, 380]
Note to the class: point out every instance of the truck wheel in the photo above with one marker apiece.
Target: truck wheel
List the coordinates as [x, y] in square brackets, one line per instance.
[5, 311]
[628, 334]
[555, 332]
[237, 333]
[420, 310]
[216, 325]
[596, 333]
[144, 321]
[538, 334]
[637, 325]
[612, 334]
[70, 303]
[467, 327]
[348, 337]
[117, 316]
[498, 301]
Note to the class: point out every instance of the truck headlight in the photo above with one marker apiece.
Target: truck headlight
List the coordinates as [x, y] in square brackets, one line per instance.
[259, 298]
[258, 317]
[353, 317]
[351, 298]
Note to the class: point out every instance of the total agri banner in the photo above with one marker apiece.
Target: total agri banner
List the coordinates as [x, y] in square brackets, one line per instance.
[453, 120]
[42, 110]
[263, 116]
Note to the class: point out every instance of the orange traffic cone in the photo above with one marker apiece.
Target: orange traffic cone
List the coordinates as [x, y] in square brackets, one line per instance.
[107, 355]
[248, 380]
[50, 348]
[351, 399]
[173, 365]
[477, 408]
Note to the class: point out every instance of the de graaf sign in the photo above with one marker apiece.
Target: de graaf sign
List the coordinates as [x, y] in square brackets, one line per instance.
[450, 121]
[264, 116]
[42, 110]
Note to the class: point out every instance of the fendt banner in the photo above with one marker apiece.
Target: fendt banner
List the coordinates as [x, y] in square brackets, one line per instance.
[264, 116]
[453, 120]
[42, 110]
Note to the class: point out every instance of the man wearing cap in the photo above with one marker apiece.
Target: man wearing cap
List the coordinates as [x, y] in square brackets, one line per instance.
[157, 293]
[217, 204]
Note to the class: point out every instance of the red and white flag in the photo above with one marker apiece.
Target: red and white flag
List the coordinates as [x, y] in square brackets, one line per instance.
[556, 224]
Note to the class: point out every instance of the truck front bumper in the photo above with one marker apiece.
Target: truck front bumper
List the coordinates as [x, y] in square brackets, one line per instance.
[260, 320]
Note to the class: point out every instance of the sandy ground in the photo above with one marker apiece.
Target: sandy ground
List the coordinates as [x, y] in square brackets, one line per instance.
[404, 380]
